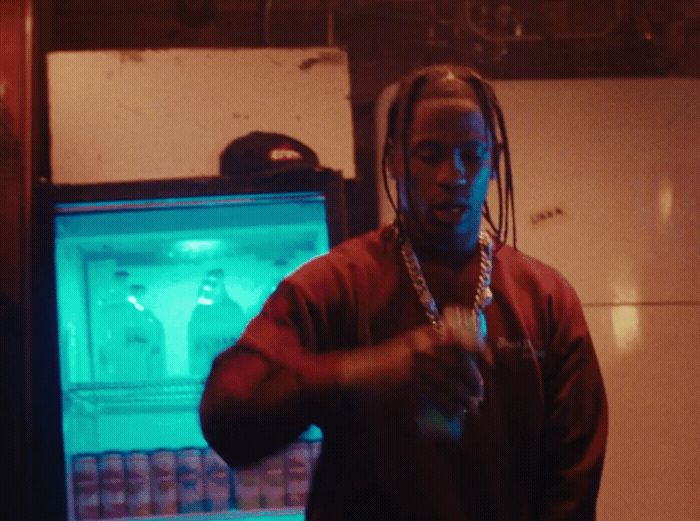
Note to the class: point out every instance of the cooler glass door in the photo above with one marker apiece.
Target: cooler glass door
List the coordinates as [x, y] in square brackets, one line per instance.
[148, 292]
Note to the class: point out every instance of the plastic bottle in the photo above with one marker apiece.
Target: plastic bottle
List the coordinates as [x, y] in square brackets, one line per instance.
[132, 347]
[105, 334]
[144, 338]
[215, 324]
[115, 294]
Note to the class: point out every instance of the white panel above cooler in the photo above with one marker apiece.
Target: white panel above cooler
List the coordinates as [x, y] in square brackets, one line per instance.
[135, 114]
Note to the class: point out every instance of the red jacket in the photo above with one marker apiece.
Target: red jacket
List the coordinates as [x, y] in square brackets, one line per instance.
[536, 450]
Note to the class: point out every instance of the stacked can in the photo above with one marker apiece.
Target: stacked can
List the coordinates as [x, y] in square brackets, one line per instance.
[297, 469]
[247, 487]
[163, 481]
[190, 480]
[86, 486]
[138, 484]
[272, 487]
[112, 485]
[217, 491]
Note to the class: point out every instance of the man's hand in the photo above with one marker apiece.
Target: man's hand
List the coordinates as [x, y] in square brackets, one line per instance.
[442, 367]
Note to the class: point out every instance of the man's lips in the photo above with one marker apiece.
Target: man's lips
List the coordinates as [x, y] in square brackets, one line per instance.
[449, 213]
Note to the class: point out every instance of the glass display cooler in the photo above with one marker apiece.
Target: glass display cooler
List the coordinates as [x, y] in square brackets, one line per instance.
[152, 280]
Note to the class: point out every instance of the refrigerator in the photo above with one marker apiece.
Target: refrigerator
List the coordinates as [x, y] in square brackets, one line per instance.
[142, 284]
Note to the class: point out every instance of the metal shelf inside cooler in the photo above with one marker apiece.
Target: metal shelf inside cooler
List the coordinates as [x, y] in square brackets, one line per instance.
[171, 394]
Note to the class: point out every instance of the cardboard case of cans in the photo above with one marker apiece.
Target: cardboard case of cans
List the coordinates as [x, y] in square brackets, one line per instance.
[113, 484]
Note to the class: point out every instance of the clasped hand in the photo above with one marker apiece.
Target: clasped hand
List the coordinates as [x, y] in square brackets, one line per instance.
[442, 367]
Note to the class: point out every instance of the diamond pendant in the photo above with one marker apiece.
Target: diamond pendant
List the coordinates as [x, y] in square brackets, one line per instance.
[468, 325]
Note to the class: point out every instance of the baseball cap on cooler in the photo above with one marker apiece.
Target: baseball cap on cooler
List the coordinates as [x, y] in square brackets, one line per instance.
[266, 153]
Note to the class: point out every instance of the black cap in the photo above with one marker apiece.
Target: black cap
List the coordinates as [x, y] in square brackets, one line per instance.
[266, 153]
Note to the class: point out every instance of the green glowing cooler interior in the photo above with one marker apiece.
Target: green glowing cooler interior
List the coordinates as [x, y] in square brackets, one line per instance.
[149, 290]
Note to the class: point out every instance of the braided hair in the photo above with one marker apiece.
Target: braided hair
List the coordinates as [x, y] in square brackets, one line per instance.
[400, 118]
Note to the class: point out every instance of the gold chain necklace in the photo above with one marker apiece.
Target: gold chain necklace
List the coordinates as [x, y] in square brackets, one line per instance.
[453, 315]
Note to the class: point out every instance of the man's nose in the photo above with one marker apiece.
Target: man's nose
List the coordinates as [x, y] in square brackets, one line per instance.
[452, 170]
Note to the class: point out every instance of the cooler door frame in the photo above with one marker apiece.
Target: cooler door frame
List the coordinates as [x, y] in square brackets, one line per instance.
[49, 487]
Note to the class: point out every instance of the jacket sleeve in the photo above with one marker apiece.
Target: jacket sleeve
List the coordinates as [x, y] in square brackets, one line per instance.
[576, 418]
[256, 399]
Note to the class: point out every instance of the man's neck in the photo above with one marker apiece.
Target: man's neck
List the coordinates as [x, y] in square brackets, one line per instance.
[454, 255]
[451, 252]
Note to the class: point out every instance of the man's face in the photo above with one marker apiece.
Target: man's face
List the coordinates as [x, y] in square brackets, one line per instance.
[449, 164]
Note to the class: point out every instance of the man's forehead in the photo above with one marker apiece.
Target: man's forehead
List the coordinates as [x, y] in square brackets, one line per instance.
[447, 85]
[448, 113]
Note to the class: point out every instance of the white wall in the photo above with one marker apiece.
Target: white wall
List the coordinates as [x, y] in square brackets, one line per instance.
[138, 115]
[621, 159]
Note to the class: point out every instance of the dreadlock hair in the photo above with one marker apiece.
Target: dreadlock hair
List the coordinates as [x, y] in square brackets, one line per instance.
[400, 119]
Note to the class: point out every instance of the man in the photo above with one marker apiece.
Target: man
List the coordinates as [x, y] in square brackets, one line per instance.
[453, 377]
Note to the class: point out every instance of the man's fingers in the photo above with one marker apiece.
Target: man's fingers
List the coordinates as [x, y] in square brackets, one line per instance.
[465, 367]
[423, 339]
[473, 377]
[443, 379]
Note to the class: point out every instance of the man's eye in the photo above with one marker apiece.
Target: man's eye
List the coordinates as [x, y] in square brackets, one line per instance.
[476, 153]
[428, 152]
